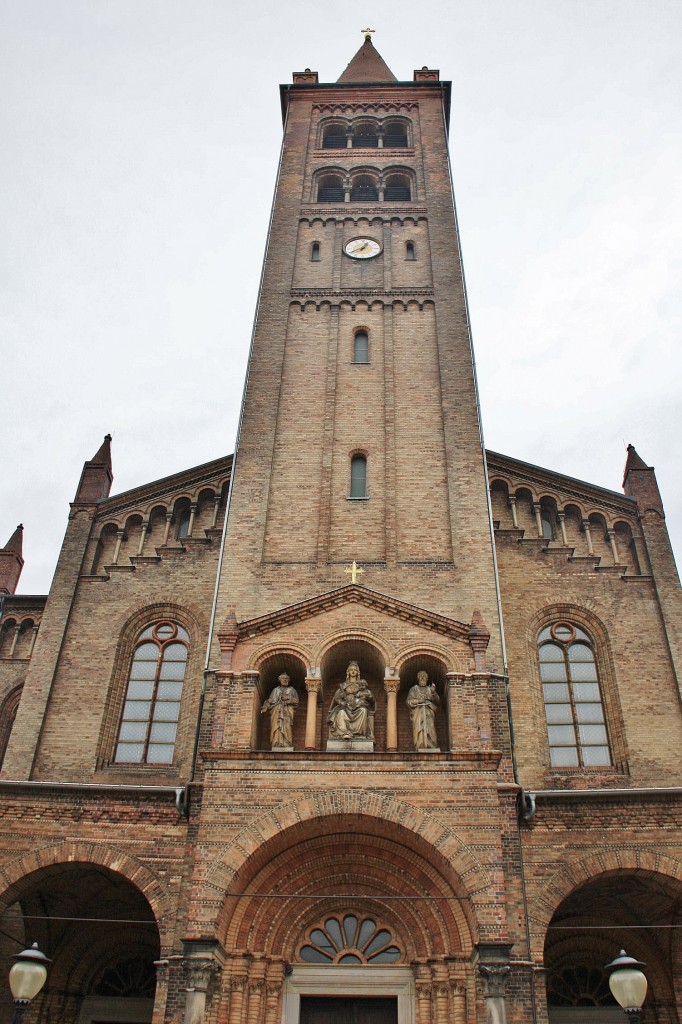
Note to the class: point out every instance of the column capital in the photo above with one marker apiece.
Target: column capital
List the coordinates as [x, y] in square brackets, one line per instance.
[392, 685]
[313, 684]
[199, 972]
[494, 978]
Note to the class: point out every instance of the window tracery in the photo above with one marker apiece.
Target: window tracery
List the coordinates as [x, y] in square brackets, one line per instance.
[149, 721]
[576, 726]
[350, 939]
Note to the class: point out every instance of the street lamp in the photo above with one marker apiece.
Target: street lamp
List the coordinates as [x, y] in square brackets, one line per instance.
[628, 984]
[26, 978]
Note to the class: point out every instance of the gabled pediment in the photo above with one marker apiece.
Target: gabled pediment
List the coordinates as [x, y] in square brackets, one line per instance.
[352, 593]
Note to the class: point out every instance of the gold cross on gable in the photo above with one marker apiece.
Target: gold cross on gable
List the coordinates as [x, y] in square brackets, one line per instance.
[369, 32]
[354, 571]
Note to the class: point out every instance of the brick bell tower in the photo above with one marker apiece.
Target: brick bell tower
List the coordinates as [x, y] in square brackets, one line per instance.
[358, 532]
[362, 363]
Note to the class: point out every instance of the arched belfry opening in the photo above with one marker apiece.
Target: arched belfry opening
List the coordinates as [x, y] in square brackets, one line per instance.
[639, 911]
[100, 970]
[342, 905]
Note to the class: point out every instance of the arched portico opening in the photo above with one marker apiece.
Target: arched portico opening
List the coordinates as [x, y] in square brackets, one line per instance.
[371, 664]
[346, 905]
[640, 911]
[101, 935]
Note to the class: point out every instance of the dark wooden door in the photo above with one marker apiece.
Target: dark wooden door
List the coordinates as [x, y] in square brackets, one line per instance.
[348, 1010]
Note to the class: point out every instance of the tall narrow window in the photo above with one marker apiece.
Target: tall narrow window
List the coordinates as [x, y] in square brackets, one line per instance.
[409, 251]
[358, 476]
[152, 706]
[315, 252]
[361, 347]
[576, 729]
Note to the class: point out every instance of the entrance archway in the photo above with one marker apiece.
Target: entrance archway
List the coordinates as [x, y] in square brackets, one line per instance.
[99, 932]
[640, 911]
[347, 906]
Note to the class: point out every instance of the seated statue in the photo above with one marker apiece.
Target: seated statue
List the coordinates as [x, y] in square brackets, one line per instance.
[423, 702]
[351, 715]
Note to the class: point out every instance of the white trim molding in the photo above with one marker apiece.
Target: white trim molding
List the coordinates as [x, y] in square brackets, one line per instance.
[323, 980]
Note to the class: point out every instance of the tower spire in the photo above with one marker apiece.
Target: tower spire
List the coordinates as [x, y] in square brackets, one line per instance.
[367, 65]
[11, 562]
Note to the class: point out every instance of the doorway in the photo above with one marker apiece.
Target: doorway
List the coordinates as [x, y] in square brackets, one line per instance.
[348, 1010]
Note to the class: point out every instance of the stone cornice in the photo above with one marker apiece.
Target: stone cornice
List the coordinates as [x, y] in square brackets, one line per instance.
[353, 593]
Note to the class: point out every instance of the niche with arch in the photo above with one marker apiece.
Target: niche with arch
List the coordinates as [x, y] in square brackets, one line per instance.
[436, 671]
[372, 668]
[270, 670]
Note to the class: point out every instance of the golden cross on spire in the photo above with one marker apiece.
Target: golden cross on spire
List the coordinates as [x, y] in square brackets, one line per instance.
[369, 32]
[354, 571]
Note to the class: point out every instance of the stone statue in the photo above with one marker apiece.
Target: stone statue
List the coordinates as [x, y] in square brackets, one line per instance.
[351, 715]
[423, 702]
[282, 705]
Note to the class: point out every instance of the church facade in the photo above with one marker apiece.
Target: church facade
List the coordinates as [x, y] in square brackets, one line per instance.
[363, 724]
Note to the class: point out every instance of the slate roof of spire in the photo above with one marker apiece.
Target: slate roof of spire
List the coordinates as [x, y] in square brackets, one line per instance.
[15, 542]
[367, 66]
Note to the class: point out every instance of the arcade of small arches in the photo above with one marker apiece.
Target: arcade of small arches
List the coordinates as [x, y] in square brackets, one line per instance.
[18, 636]
[365, 133]
[364, 185]
[145, 531]
[610, 538]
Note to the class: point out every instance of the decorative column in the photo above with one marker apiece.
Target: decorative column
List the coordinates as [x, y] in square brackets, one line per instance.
[537, 509]
[192, 516]
[391, 686]
[166, 532]
[561, 516]
[15, 640]
[34, 634]
[422, 984]
[349, 138]
[380, 137]
[494, 982]
[216, 509]
[120, 537]
[274, 983]
[459, 1003]
[512, 506]
[198, 973]
[143, 536]
[254, 1013]
[382, 186]
[611, 537]
[347, 188]
[442, 1015]
[237, 991]
[312, 685]
[588, 536]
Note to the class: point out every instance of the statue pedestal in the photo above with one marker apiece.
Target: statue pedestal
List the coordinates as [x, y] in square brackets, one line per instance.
[427, 750]
[355, 744]
[281, 750]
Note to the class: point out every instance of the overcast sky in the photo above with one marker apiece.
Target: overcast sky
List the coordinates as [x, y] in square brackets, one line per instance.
[139, 142]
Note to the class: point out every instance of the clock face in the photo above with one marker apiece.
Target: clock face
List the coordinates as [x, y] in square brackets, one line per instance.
[362, 248]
